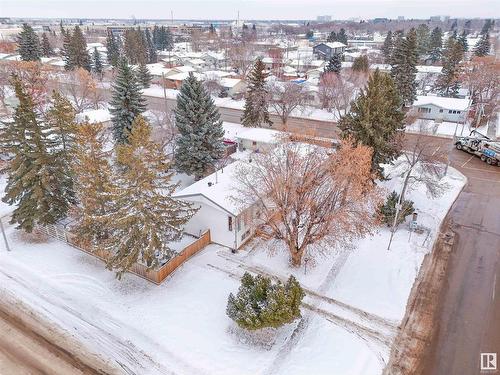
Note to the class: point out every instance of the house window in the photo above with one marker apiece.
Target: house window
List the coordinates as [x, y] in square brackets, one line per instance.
[458, 112]
[440, 111]
[424, 110]
[450, 111]
[230, 223]
[254, 143]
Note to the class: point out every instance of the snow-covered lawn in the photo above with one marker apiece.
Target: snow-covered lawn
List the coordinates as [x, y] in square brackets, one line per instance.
[443, 129]
[181, 325]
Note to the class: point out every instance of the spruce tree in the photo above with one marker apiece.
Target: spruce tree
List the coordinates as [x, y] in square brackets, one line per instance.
[423, 39]
[463, 41]
[47, 50]
[334, 65]
[145, 217]
[448, 81]
[388, 47]
[376, 119]
[97, 67]
[95, 185]
[78, 51]
[200, 142]
[144, 76]
[126, 101]
[260, 303]
[28, 44]
[37, 183]
[482, 47]
[66, 49]
[487, 26]
[342, 36]
[403, 67]
[436, 44]
[332, 37]
[256, 111]
[361, 64]
[112, 49]
[60, 118]
[151, 49]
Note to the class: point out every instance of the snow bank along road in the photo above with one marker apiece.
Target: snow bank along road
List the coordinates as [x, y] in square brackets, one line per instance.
[25, 348]
[469, 312]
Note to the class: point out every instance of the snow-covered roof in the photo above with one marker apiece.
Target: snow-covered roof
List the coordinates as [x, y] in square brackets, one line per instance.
[157, 69]
[335, 45]
[219, 188]
[93, 116]
[261, 135]
[185, 68]
[216, 73]
[429, 69]
[4, 55]
[57, 62]
[196, 61]
[230, 82]
[442, 102]
[182, 76]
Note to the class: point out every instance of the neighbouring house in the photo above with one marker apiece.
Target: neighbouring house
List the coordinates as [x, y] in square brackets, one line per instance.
[325, 51]
[94, 116]
[233, 87]
[227, 220]
[258, 139]
[441, 109]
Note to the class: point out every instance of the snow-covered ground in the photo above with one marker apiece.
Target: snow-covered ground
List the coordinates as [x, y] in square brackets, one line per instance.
[356, 298]
[443, 129]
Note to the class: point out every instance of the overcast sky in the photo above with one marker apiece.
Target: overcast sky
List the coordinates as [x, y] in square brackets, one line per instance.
[249, 9]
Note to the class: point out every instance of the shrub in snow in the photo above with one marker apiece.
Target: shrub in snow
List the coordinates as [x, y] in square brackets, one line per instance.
[388, 209]
[261, 304]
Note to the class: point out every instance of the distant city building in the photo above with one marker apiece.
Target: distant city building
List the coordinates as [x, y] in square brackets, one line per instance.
[439, 18]
[380, 20]
[323, 18]
[401, 18]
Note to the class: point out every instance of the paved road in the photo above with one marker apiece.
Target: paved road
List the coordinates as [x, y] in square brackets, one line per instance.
[469, 311]
[24, 352]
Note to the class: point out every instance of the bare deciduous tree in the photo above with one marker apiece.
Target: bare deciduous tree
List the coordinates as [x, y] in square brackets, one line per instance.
[82, 90]
[212, 84]
[285, 97]
[481, 75]
[34, 77]
[242, 57]
[308, 198]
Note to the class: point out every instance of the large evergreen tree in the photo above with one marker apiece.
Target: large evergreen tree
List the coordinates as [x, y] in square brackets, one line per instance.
[342, 36]
[448, 81]
[28, 44]
[334, 65]
[200, 142]
[463, 41]
[97, 67]
[112, 49]
[38, 183]
[423, 39]
[256, 111]
[361, 64]
[376, 119]
[96, 187]
[47, 50]
[482, 47]
[404, 67]
[151, 49]
[332, 37]
[144, 76]
[126, 101]
[79, 56]
[145, 217]
[436, 44]
[388, 47]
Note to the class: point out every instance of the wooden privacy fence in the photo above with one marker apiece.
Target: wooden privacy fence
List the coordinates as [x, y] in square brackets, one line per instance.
[155, 275]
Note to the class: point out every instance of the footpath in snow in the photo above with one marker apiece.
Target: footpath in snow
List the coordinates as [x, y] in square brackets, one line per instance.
[355, 299]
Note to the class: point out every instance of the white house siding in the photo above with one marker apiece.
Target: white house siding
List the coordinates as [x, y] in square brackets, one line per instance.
[433, 112]
[210, 216]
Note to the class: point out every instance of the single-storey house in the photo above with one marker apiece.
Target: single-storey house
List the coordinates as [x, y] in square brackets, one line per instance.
[325, 51]
[233, 86]
[441, 109]
[227, 219]
[258, 139]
